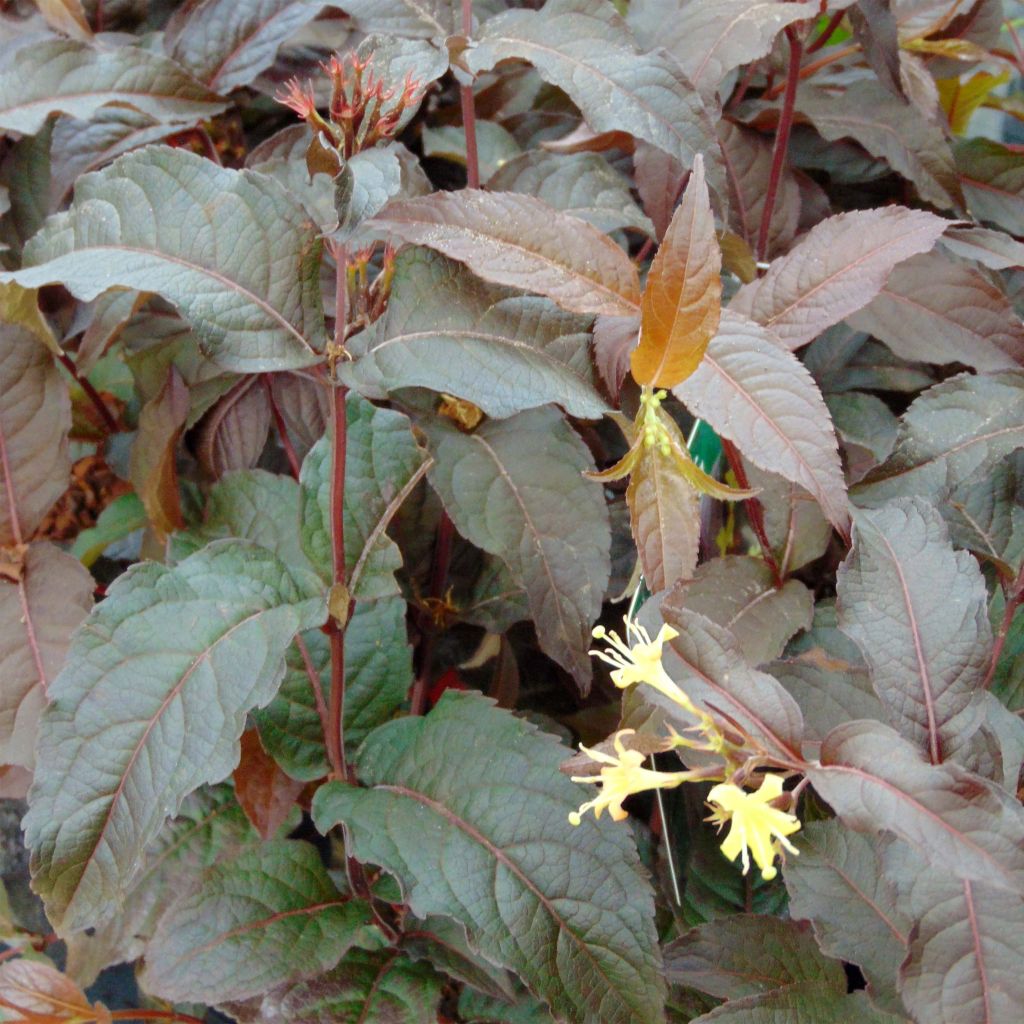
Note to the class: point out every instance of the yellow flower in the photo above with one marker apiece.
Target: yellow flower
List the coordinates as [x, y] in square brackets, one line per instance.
[622, 777]
[641, 662]
[755, 826]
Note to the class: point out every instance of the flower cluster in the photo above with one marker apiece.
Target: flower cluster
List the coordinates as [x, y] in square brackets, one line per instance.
[361, 112]
[758, 827]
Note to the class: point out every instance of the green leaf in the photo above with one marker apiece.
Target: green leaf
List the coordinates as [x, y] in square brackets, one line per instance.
[838, 267]
[748, 955]
[754, 392]
[878, 782]
[153, 720]
[38, 614]
[739, 593]
[495, 147]
[480, 1009]
[993, 179]
[122, 517]
[226, 45]
[35, 416]
[382, 466]
[504, 486]
[965, 949]
[382, 987]
[837, 884]
[516, 240]
[582, 184]
[937, 311]
[985, 513]
[264, 918]
[65, 76]
[957, 429]
[210, 827]
[584, 48]
[864, 421]
[918, 611]
[167, 221]
[378, 674]
[488, 818]
[446, 330]
[442, 942]
[250, 505]
[25, 173]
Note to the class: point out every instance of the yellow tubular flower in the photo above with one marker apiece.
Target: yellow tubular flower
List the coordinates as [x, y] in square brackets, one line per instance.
[754, 825]
[622, 777]
[641, 662]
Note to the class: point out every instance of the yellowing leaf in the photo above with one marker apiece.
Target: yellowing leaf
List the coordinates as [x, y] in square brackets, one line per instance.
[67, 17]
[664, 515]
[960, 99]
[32, 990]
[682, 302]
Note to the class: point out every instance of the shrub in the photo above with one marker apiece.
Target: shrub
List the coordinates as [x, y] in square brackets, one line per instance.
[513, 512]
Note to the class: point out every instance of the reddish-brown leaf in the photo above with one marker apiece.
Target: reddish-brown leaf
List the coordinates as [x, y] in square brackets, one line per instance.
[614, 338]
[682, 302]
[933, 310]
[32, 990]
[153, 467]
[35, 415]
[748, 161]
[232, 434]
[515, 239]
[37, 616]
[67, 17]
[264, 791]
[754, 392]
[664, 514]
[836, 269]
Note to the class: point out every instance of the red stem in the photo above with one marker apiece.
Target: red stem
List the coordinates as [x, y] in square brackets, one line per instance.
[1014, 597]
[282, 429]
[93, 395]
[335, 738]
[826, 32]
[755, 511]
[781, 140]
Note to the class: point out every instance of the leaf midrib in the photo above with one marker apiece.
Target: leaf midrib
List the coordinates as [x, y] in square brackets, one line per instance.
[228, 283]
[150, 725]
[502, 858]
[931, 727]
[569, 273]
[862, 775]
[819, 485]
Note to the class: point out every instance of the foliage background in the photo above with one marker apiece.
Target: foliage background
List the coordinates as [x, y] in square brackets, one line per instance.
[811, 210]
